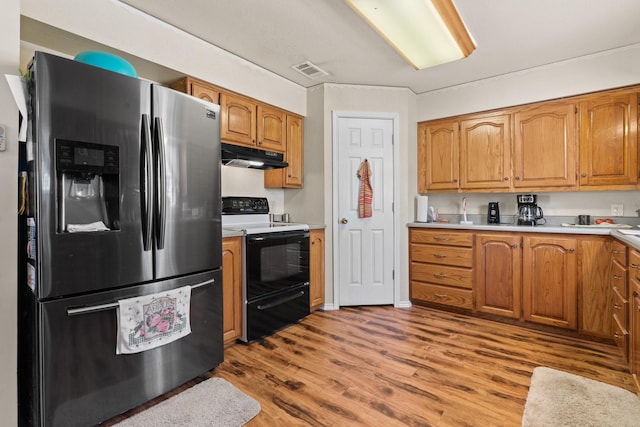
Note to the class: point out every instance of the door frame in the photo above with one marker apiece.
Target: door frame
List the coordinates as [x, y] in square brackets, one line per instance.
[335, 215]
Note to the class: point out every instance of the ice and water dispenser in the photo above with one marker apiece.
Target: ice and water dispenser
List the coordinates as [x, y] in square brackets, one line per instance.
[88, 187]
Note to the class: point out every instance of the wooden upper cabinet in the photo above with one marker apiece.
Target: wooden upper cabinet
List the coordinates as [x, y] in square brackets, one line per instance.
[545, 146]
[485, 152]
[291, 176]
[197, 88]
[238, 120]
[438, 155]
[271, 128]
[609, 139]
[549, 282]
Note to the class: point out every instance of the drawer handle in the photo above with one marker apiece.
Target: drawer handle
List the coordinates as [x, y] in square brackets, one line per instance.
[440, 295]
[615, 276]
[439, 255]
[617, 306]
[440, 275]
[616, 252]
[440, 238]
[636, 266]
[616, 336]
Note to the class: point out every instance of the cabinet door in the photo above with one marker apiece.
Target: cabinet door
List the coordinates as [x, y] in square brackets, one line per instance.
[206, 92]
[231, 289]
[291, 176]
[549, 280]
[545, 146]
[438, 156]
[316, 268]
[272, 128]
[635, 334]
[498, 274]
[608, 140]
[238, 120]
[594, 278]
[485, 152]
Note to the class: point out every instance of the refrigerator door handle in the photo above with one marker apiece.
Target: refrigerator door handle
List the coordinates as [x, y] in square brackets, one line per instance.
[146, 181]
[111, 305]
[161, 209]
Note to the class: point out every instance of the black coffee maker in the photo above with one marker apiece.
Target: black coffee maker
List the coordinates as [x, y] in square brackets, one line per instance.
[493, 213]
[528, 211]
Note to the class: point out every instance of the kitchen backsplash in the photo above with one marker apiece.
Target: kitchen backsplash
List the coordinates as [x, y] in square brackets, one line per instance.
[250, 182]
[594, 203]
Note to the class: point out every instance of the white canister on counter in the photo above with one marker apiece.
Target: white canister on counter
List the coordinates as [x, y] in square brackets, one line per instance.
[422, 208]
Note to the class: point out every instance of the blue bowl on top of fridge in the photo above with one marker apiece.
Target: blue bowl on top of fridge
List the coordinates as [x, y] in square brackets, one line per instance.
[108, 61]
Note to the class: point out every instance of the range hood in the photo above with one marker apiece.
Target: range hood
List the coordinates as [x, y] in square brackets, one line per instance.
[245, 157]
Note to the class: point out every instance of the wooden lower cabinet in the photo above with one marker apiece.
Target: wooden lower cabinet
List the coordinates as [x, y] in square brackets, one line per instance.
[231, 289]
[549, 280]
[498, 271]
[316, 268]
[634, 333]
[441, 267]
[594, 286]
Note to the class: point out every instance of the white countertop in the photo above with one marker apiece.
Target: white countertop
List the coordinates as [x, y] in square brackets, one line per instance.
[555, 227]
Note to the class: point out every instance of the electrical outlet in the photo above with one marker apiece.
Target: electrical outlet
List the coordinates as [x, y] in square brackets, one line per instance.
[617, 210]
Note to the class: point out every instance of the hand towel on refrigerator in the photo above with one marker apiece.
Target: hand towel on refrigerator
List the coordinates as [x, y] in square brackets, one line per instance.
[149, 321]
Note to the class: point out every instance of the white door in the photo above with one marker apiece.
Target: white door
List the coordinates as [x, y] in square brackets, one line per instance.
[365, 246]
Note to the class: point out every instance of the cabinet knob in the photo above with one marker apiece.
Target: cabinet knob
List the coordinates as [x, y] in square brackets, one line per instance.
[455, 179]
[617, 306]
[506, 178]
[517, 178]
[583, 174]
[635, 266]
[616, 277]
[571, 250]
[514, 246]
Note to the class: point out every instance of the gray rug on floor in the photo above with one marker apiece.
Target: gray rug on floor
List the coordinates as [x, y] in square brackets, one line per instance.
[213, 402]
[559, 399]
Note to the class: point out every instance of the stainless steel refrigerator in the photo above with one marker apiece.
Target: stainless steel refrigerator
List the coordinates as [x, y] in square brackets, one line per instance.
[125, 202]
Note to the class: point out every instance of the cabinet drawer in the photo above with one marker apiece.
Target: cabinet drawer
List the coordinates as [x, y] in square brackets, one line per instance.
[441, 237]
[444, 255]
[620, 308]
[621, 337]
[442, 295]
[619, 278]
[441, 274]
[619, 253]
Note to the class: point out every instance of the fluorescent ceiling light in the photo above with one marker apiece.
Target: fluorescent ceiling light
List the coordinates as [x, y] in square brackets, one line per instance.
[424, 32]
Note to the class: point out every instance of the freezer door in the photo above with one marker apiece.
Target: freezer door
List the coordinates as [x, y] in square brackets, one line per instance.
[93, 117]
[82, 380]
[187, 223]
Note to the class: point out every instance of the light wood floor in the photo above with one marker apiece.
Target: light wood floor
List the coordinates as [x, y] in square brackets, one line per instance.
[385, 366]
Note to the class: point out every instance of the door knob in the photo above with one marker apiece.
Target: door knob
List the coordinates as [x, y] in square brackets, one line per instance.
[344, 221]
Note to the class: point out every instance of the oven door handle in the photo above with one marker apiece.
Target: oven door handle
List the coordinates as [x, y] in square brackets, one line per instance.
[280, 301]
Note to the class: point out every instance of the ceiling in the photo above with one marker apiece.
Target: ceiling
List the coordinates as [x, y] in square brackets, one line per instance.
[511, 35]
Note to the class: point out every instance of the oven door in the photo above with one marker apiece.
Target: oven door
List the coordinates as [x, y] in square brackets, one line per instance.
[276, 285]
[275, 262]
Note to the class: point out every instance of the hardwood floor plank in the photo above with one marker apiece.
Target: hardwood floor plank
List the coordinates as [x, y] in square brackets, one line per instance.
[385, 366]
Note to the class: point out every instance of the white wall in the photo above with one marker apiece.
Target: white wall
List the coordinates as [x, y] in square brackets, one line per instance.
[121, 27]
[380, 100]
[606, 70]
[9, 60]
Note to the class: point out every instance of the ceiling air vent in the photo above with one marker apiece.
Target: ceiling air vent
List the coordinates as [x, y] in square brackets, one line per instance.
[309, 70]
